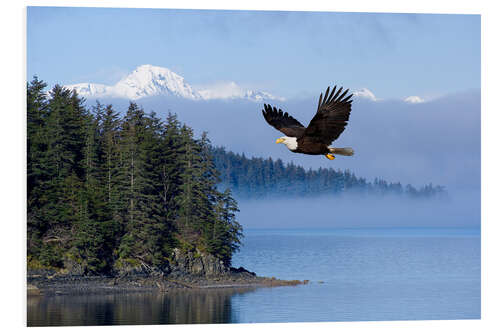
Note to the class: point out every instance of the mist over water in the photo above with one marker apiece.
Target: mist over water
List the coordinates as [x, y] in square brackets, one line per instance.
[461, 209]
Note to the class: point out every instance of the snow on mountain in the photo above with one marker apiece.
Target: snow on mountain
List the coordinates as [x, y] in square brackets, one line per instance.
[230, 90]
[365, 93]
[413, 99]
[91, 89]
[259, 96]
[144, 81]
[148, 81]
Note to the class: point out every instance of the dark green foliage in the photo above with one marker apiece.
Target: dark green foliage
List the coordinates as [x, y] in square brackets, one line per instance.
[225, 235]
[50, 256]
[145, 221]
[258, 177]
[103, 191]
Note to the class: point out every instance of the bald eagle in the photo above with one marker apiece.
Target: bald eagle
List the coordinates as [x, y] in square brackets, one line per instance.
[326, 126]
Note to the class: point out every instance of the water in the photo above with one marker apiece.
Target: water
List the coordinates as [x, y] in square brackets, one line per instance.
[354, 274]
[363, 274]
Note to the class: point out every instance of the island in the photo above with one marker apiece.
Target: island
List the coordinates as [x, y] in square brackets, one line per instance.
[124, 203]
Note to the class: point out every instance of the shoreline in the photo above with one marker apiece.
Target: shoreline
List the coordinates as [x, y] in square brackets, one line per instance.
[39, 285]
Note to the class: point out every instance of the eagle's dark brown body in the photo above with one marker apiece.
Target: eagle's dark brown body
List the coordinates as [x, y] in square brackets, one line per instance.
[326, 126]
[311, 148]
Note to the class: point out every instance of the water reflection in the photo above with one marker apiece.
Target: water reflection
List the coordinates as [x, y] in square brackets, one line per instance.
[174, 307]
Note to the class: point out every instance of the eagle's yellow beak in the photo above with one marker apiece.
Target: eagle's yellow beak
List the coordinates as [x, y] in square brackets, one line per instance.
[280, 140]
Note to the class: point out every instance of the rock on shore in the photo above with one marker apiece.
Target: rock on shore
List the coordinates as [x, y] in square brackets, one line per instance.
[192, 269]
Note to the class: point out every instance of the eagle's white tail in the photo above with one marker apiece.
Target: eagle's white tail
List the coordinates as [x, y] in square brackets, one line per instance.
[342, 151]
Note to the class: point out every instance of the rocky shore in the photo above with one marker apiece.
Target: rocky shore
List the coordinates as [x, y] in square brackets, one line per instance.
[191, 270]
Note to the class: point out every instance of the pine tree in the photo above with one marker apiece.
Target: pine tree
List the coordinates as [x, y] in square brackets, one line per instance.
[188, 198]
[145, 225]
[96, 230]
[226, 233]
[208, 194]
[36, 148]
[61, 166]
[170, 177]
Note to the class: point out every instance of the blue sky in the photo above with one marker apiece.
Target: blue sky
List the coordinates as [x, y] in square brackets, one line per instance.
[298, 54]
[289, 54]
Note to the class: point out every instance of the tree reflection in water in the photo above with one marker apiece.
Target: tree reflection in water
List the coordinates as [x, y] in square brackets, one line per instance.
[205, 306]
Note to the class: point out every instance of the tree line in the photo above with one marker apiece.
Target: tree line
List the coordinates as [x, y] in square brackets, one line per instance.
[106, 191]
[258, 177]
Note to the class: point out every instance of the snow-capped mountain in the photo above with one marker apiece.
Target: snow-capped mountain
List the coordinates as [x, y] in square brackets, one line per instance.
[144, 81]
[368, 94]
[414, 99]
[148, 81]
[365, 93]
[231, 90]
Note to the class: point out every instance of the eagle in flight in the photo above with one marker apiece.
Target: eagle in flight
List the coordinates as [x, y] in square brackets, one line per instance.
[326, 126]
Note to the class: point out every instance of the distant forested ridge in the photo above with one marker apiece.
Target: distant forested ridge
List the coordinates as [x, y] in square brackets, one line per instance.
[258, 177]
[106, 191]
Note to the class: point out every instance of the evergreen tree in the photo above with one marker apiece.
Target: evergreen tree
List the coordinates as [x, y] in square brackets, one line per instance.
[226, 233]
[96, 230]
[170, 177]
[61, 165]
[208, 194]
[36, 148]
[188, 201]
[142, 224]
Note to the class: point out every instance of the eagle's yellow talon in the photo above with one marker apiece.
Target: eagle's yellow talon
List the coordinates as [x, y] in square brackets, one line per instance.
[330, 157]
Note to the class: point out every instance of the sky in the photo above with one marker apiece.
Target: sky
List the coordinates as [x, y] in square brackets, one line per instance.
[289, 54]
[296, 55]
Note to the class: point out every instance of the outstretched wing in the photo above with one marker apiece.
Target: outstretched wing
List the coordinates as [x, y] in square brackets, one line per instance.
[331, 117]
[283, 122]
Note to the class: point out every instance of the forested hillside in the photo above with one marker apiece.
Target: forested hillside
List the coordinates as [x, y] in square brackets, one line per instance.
[259, 177]
[106, 191]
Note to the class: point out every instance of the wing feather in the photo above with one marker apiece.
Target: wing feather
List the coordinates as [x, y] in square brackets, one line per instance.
[331, 117]
[319, 102]
[331, 95]
[283, 122]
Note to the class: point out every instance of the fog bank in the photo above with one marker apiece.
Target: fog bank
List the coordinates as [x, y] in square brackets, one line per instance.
[346, 211]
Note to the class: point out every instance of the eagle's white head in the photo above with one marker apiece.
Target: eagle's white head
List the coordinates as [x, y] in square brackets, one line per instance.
[290, 142]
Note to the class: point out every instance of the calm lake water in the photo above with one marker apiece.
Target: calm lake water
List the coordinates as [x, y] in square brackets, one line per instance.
[355, 275]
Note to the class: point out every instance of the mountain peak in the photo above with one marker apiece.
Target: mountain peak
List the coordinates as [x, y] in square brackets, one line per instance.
[365, 93]
[151, 67]
[231, 90]
[148, 80]
[154, 71]
[414, 99]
